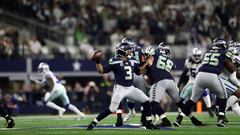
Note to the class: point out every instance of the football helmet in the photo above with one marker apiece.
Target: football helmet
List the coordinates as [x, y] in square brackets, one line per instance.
[43, 68]
[130, 41]
[197, 54]
[219, 43]
[164, 49]
[123, 49]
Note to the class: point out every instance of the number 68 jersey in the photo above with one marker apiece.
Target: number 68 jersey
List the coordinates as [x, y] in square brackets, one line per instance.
[213, 61]
[161, 67]
[123, 70]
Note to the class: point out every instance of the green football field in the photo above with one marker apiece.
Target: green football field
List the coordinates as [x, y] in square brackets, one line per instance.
[68, 125]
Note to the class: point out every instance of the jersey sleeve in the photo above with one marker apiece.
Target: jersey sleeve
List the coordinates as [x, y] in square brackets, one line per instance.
[229, 54]
[108, 67]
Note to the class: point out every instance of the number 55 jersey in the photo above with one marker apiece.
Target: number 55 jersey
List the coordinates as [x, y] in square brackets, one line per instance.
[214, 60]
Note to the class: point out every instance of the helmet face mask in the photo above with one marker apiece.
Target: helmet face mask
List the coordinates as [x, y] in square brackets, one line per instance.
[43, 68]
[123, 50]
[219, 43]
[197, 55]
[164, 49]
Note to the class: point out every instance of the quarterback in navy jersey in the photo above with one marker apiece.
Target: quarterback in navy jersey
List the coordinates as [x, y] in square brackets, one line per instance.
[215, 59]
[160, 66]
[123, 66]
[138, 81]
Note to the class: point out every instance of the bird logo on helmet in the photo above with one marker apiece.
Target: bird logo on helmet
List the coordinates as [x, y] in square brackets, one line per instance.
[164, 49]
[219, 43]
[197, 55]
[43, 68]
[123, 49]
[130, 41]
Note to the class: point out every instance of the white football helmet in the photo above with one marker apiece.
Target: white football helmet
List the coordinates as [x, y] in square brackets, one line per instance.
[43, 68]
[197, 54]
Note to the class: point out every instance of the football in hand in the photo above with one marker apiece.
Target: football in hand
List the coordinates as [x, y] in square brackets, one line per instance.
[97, 56]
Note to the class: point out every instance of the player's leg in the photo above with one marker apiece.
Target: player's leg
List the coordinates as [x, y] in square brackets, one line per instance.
[119, 121]
[197, 91]
[131, 110]
[9, 120]
[48, 98]
[219, 89]
[236, 108]
[65, 100]
[119, 93]
[156, 93]
[186, 91]
[137, 95]
[207, 101]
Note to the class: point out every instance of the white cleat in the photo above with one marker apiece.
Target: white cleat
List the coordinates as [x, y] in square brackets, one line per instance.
[130, 115]
[81, 116]
[61, 112]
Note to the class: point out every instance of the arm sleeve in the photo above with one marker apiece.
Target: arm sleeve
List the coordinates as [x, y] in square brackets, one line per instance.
[108, 67]
[183, 78]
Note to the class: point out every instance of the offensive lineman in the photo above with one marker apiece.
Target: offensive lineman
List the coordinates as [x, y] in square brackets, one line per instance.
[160, 66]
[215, 59]
[191, 66]
[57, 90]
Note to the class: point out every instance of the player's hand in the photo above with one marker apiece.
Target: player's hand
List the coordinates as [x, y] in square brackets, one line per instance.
[97, 56]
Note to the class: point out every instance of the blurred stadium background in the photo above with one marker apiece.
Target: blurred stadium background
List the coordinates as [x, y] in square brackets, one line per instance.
[64, 33]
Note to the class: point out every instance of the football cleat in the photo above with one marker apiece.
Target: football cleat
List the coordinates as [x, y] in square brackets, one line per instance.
[130, 115]
[61, 112]
[10, 123]
[178, 121]
[91, 125]
[220, 122]
[149, 125]
[196, 122]
[165, 123]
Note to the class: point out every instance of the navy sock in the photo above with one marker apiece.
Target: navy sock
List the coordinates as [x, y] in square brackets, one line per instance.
[156, 108]
[187, 109]
[103, 114]
[131, 105]
[3, 113]
[146, 108]
[180, 104]
[222, 104]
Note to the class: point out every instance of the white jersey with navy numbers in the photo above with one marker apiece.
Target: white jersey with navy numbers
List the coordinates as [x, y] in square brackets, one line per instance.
[192, 68]
[50, 74]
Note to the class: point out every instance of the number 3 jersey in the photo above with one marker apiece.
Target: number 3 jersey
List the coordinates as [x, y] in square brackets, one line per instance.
[123, 70]
[161, 67]
[214, 60]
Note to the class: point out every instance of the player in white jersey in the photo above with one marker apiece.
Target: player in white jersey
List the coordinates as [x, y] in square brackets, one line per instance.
[57, 90]
[231, 81]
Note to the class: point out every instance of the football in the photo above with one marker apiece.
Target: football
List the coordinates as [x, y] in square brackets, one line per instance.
[97, 55]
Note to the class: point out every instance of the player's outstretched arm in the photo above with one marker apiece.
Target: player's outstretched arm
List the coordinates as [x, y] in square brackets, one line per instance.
[99, 67]
[32, 78]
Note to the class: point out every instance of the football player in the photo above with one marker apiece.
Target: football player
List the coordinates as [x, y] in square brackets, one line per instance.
[123, 66]
[160, 66]
[57, 90]
[215, 59]
[138, 81]
[231, 81]
[189, 72]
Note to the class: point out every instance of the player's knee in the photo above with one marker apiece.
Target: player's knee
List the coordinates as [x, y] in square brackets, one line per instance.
[113, 108]
[237, 93]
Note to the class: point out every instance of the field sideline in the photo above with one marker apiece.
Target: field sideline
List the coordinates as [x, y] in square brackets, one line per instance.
[68, 125]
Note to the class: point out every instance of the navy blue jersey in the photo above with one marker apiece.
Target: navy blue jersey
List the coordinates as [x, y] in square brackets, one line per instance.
[214, 61]
[123, 70]
[138, 55]
[161, 67]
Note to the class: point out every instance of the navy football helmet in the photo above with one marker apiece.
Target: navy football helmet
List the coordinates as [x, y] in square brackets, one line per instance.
[149, 51]
[164, 48]
[130, 41]
[219, 43]
[123, 49]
